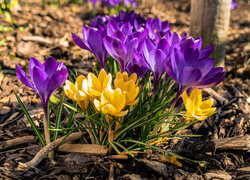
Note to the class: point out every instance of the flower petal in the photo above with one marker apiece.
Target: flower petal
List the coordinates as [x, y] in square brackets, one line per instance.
[22, 76]
[50, 65]
[79, 42]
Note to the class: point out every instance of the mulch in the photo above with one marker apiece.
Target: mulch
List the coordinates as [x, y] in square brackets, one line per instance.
[42, 32]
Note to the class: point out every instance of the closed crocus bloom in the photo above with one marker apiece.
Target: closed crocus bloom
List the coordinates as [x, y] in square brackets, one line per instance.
[94, 86]
[128, 86]
[112, 102]
[76, 92]
[195, 107]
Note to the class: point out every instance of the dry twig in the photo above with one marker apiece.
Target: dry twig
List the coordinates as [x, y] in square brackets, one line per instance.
[17, 141]
[42, 154]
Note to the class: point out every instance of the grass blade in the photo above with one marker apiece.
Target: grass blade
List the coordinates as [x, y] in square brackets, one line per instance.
[33, 126]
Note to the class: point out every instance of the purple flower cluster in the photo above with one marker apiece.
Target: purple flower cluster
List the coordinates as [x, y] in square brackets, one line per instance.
[140, 45]
[115, 2]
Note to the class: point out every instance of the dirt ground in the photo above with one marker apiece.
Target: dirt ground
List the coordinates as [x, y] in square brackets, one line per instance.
[42, 32]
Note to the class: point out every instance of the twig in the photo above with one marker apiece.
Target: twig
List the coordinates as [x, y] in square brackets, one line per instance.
[220, 98]
[42, 154]
[111, 172]
[17, 141]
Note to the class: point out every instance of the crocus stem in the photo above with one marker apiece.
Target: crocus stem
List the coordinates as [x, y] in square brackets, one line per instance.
[110, 134]
[90, 133]
[46, 130]
[89, 130]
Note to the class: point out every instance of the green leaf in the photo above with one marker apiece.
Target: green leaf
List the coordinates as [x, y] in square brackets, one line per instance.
[54, 99]
[33, 126]
[58, 117]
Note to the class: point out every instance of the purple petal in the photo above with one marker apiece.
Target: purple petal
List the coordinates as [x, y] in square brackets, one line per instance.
[119, 48]
[107, 44]
[50, 66]
[205, 66]
[163, 45]
[147, 47]
[126, 29]
[34, 62]
[40, 81]
[207, 51]
[58, 78]
[187, 43]
[79, 42]
[191, 56]
[189, 75]
[156, 59]
[197, 43]
[118, 35]
[22, 76]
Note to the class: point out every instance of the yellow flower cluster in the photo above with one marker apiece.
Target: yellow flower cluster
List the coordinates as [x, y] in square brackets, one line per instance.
[100, 92]
[196, 108]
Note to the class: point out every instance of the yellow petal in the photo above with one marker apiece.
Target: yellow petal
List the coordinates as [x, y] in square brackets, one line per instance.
[107, 81]
[206, 104]
[107, 96]
[83, 104]
[121, 113]
[133, 102]
[133, 76]
[97, 104]
[78, 83]
[69, 89]
[94, 83]
[80, 96]
[196, 98]
[109, 109]
[119, 99]
[85, 86]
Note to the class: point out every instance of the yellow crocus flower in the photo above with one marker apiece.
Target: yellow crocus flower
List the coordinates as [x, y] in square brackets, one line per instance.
[195, 107]
[128, 86]
[94, 86]
[112, 102]
[76, 92]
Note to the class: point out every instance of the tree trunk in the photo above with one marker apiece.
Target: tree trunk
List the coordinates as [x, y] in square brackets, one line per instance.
[210, 20]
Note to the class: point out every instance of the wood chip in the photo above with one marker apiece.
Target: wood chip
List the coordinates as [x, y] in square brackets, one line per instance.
[234, 143]
[218, 175]
[84, 148]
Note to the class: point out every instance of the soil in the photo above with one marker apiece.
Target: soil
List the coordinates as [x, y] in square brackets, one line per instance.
[51, 27]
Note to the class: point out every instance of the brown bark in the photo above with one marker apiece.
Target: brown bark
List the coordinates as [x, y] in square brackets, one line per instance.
[210, 20]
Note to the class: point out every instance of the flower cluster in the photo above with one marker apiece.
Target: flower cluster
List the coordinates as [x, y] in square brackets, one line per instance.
[140, 46]
[100, 92]
[110, 3]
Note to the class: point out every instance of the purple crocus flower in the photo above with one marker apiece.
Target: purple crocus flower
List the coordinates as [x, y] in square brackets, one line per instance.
[92, 41]
[45, 78]
[121, 47]
[154, 55]
[189, 71]
[233, 5]
[157, 29]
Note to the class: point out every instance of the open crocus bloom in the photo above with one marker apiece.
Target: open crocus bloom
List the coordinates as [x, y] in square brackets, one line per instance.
[76, 93]
[94, 86]
[46, 78]
[195, 107]
[112, 102]
[128, 86]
